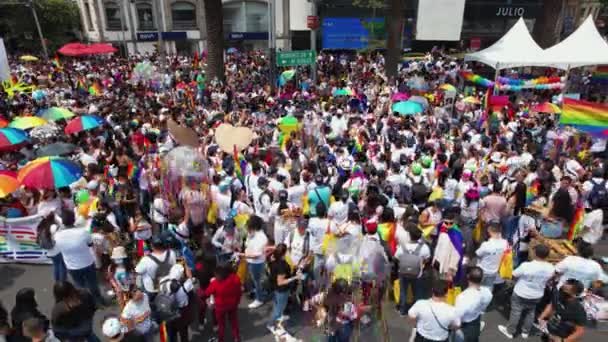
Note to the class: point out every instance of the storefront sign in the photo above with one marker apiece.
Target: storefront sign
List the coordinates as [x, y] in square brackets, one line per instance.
[510, 11]
[312, 22]
[248, 36]
[153, 36]
[294, 58]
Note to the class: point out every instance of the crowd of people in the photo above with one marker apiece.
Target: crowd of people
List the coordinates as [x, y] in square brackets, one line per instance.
[353, 205]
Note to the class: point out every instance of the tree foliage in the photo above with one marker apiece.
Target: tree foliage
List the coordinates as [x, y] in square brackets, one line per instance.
[59, 20]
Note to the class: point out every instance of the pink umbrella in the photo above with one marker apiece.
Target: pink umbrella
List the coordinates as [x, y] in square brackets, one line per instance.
[101, 48]
[400, 97]
[73, 49]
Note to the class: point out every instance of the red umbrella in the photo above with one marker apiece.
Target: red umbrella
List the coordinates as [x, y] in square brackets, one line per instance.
[73, 49]
[101, 48]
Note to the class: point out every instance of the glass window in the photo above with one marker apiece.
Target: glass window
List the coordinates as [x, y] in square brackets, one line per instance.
[256, 17]
[145, 16]
[184, 15]
[87, 14]
[112, 16]
[233, 20]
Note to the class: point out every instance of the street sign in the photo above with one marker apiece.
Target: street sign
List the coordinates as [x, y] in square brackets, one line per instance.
[295, 58]
[312, 22]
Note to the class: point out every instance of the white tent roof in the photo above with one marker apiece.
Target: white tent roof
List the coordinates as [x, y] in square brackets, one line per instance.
[583, 47]
[516, 48]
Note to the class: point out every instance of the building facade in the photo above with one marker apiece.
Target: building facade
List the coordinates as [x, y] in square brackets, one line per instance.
[136, 24]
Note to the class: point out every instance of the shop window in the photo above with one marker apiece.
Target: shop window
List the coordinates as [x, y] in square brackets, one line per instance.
[183, 15]
[112, 12]
[145, 16]
[256, 17]
[251, 16]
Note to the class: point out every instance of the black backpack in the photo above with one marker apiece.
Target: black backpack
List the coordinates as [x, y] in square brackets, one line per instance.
[163, 268]
[165, 304]
[420, 193]
[598, 197]
[44, 238]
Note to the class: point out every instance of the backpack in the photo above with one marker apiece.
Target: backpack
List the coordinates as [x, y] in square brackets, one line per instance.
[410, 263]
[419, 192]
[405, 194]
[44, 239]
[598, 197]
[166, 304]
[163, 268]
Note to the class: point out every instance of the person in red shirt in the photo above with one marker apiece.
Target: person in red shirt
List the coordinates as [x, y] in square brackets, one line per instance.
[226, 291]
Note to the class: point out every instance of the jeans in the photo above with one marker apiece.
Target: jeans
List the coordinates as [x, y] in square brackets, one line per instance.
[488, 280]
[521, 307]
[86, 278]
[256, 271]
[279, 304]
[342, 334]
[417, 290]
[60, 272]
[469, 331]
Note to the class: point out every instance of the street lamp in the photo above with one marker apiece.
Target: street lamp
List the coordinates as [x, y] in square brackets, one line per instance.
[45, 52]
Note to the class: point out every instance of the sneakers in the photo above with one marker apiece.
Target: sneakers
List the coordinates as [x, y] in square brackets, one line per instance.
[525, 336]
[283, 318]
[271, 328]
[504, 331]
[255, 304]
[482, 325]
[306, 306]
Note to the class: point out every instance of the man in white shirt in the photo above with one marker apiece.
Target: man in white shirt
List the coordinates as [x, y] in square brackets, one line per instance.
[490, 254]
[471, 304]
[580, 267]
[532, 277]
[434, 317]
[74, 243]
[154, 266]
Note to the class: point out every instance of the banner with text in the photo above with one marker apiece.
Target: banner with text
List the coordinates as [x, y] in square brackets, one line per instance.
[439, 19]
[18, 241]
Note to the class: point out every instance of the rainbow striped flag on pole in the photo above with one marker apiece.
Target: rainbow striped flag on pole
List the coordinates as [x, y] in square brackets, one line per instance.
[589, 117]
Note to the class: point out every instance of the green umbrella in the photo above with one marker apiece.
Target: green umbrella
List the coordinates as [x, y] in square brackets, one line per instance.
[57, 113]
[288, 74]
[342, 92]
[288, 124]
[407, 108]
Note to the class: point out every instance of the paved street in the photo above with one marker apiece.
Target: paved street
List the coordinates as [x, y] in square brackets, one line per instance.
[14, 277]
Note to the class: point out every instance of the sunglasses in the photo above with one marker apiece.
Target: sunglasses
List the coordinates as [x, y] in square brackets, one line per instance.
[448, 222]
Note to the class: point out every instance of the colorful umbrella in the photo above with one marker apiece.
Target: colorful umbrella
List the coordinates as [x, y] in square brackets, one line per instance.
[3, 122]
[471, 100]
[448, 87]
[419, 99]
[83, 123]
[8, 183]
[12, 136]
[546, 107]
[49, 173]
[407, 108]
[400, 97]
[342, 92]
[28, 58]
[27, 122]
[57, 113]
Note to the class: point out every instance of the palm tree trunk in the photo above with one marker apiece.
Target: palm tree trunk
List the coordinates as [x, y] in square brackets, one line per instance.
[394, 19]
[548, 26]
[215, 39]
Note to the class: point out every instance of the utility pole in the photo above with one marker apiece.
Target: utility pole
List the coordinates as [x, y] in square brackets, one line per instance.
[45, 52]
[157, 16]
[313, 40]
[272, 42]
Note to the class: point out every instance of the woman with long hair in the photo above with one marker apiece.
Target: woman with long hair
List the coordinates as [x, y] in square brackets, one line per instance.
[73, 312]
[280, 278]
[25, 307]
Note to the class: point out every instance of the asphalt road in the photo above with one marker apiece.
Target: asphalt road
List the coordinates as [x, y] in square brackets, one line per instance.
[14, 277]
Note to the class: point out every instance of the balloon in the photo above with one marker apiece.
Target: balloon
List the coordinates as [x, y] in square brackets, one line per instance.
[82, 196]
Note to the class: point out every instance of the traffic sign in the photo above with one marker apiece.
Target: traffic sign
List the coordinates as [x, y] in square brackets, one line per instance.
[295, 58]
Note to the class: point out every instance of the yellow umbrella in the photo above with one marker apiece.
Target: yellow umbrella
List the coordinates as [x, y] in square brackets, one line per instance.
[448, 87]
[471, 100]
[27, 122]
[28, 58]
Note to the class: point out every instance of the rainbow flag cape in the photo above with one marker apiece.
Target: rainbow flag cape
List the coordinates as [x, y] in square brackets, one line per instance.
[532, 192]
[95, 89]
[589, 117]
[386, 231]
[239, 162]
[577, 222]
[132, 171]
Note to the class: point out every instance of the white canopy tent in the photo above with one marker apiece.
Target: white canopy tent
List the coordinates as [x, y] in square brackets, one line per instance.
[516, 48]
[583, 47]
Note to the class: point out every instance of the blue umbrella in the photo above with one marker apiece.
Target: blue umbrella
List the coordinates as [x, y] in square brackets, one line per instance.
[407, 108]
[231, 50]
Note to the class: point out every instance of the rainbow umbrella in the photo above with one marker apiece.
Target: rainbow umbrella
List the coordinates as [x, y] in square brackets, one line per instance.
[3, 122]
[57, 113]
[471, 100]
[407, 108]
[10, 137]
[546, 107]
[8, 183]
[27, 122]
[342, 92]
[448, 87]
[83, 123]
[49, 173]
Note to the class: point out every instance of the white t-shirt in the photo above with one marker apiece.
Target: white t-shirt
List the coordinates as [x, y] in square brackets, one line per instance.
[143, 230]
[579, 268]
[146, 268]
[429, 314]
[296, 243]
[593, 221]
[160, 209]
[338, 211]
[135, 310]
[255, 244]
[472, 302]
[47, 207]
[490, 253]
[532, 278]
[73, 244]
[317, 228]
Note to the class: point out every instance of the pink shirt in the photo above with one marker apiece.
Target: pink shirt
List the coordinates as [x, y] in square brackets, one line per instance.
[494, 206]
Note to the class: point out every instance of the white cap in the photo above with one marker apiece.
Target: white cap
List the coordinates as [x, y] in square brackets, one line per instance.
[112, 328]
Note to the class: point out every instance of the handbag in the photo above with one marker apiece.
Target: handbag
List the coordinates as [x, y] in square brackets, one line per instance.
[505, 270]
[329, 240]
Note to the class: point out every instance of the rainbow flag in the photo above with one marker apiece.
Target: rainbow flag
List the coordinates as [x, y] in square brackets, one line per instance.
[56, 62]
[387, 231]
[589, 117]
[80, 85]
[195, 60]
[132, 171]
[532, 192]
[577, 222]
[95, 89]
[238, 165]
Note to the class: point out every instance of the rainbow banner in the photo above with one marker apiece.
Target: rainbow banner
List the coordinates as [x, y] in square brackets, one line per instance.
[589, 117]
[18, 241]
